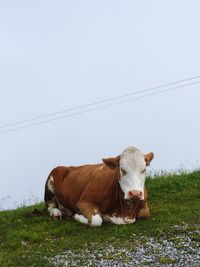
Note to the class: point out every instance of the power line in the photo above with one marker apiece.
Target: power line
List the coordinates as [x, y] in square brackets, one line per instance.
[97, 103]
[101, 107]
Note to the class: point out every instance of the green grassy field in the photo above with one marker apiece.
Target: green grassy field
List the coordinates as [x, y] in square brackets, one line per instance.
[27, 240]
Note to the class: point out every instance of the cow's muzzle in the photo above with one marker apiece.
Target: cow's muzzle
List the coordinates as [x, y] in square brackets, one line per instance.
[135, 194]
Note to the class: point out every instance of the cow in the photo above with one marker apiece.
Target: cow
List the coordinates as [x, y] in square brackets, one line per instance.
[113, 190]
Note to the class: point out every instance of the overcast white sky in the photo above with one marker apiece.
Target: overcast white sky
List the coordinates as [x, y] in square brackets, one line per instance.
[56, 55]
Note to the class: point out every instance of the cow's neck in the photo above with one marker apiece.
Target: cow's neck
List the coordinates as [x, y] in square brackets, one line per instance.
[122, 207]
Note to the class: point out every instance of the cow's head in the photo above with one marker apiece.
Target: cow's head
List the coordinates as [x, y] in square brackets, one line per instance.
[132, 168]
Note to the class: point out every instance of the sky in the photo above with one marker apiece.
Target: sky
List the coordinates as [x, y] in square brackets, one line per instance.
[57, 55]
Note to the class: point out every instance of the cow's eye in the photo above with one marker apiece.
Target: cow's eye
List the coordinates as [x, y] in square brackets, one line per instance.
[144, 171]
[123, 171]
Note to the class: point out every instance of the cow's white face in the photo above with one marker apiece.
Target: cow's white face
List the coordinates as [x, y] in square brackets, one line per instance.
[132, 173]
[132, 164]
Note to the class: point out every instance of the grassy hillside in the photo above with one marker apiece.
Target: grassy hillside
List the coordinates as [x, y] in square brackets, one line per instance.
[27, 240]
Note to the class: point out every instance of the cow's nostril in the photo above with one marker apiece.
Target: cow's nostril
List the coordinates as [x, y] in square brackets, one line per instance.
[131, 193]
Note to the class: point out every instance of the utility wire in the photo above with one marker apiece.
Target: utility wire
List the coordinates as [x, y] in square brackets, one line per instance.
[101, 107]
[97, 103]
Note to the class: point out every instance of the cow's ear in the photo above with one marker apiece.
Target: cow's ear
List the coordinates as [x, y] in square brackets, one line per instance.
[148, 158]
[112, 163]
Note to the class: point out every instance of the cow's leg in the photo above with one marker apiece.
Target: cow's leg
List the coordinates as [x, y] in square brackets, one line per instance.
[50, 199]
[143, 211]
[90, 214]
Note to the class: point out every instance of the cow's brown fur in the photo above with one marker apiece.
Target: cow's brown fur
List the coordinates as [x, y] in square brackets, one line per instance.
[91, 190]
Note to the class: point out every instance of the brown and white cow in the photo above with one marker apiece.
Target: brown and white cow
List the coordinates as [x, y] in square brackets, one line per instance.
[110, 191]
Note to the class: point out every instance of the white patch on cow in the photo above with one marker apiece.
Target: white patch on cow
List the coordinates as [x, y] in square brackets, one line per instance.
[129, 220]
[96, 220]
[132, 171]
[119, 220]
[50, 184]
[54, 212]
[80, 218]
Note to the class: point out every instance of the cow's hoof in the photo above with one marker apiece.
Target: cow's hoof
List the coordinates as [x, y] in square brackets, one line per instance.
[56, 218]
[56, 214]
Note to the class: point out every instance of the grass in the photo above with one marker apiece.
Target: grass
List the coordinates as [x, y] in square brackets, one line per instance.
[26, 240]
